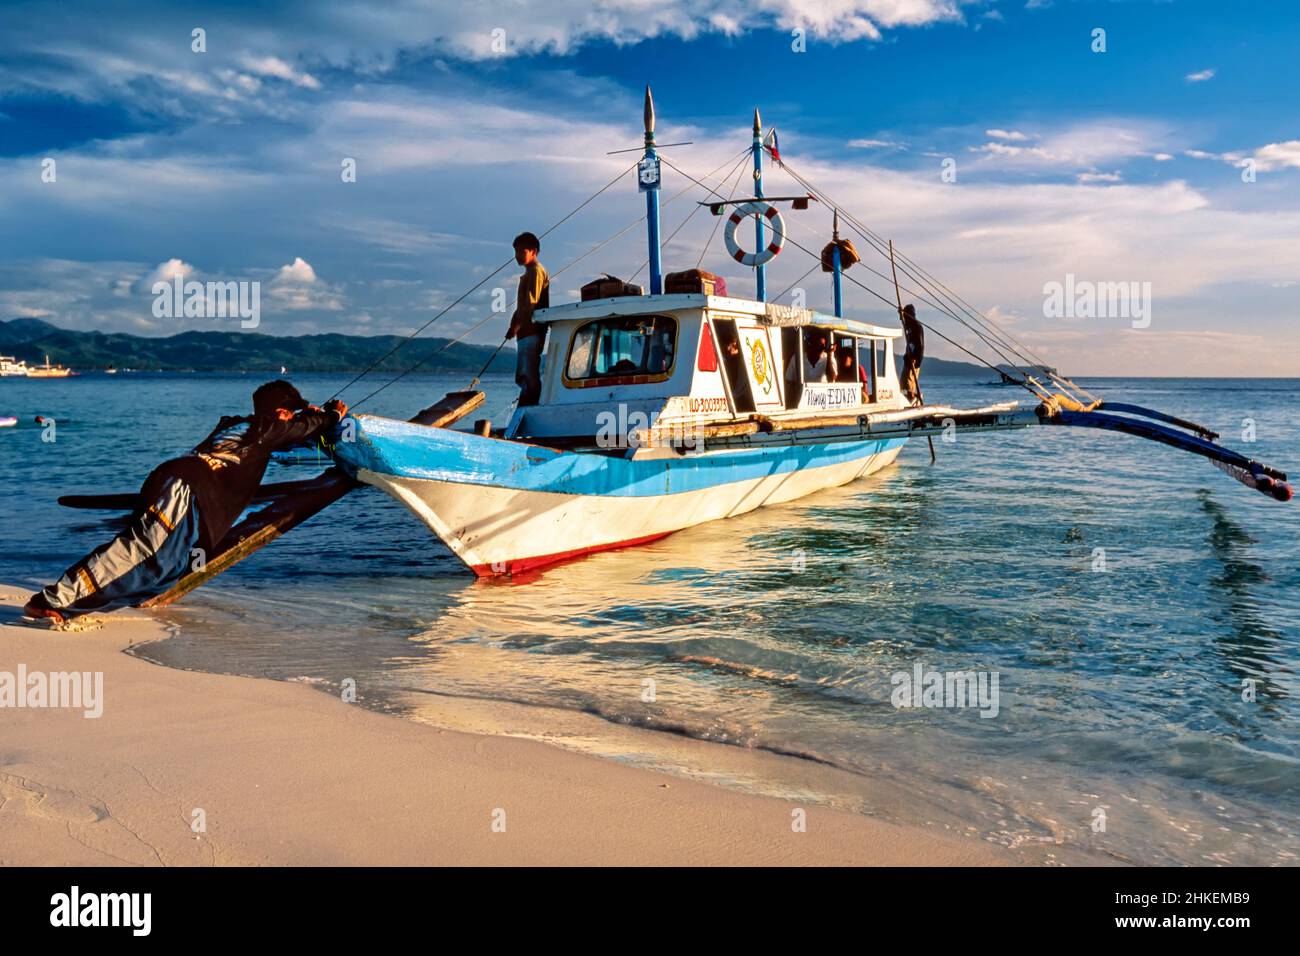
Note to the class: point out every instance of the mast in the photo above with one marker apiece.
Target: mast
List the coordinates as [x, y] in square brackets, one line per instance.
[760, 241]
[651, 162]
[835, 263]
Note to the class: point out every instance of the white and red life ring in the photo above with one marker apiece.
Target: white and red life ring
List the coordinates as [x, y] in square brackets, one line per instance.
[775, 223]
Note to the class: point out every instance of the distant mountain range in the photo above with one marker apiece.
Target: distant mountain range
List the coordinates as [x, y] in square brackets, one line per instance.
[33, 339]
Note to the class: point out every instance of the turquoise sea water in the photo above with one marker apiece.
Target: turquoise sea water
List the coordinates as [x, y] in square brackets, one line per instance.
[1120, 690]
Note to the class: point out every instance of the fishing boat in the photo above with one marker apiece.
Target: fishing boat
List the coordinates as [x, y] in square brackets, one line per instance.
[615, 454]
[662, 411]
[48, 371]
[659, 411]
[11, 367]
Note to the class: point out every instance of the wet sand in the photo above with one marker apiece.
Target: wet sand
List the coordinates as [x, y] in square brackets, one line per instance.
[280, 773]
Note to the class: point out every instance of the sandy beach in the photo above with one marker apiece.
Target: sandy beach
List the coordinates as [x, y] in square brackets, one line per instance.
[285, 774]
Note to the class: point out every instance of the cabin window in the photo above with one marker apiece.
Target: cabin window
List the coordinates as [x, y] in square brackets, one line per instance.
[846, 360]
[867, 350]
[626, 349]
[742, 397]
[790, 348]
[882, 360]
[817, 355]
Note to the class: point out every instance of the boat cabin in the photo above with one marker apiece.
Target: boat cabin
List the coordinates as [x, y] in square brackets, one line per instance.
[665, 362]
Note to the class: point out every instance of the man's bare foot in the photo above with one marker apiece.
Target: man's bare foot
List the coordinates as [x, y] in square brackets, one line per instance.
[34, 609]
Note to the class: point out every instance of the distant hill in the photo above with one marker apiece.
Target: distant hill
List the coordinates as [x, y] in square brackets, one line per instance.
[33, 339]
[945, 368]
[25, 330]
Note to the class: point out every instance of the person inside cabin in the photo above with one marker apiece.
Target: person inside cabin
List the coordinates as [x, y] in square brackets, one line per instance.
[534, 294]
[819, 362]
[846, 366]
[914, 334]
[733, 359]
[187, 503]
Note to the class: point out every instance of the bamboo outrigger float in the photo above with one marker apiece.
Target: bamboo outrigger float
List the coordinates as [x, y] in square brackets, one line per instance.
[662, 411]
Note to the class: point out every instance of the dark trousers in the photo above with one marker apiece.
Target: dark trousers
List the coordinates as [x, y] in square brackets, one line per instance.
[528, 368]
[153, 552]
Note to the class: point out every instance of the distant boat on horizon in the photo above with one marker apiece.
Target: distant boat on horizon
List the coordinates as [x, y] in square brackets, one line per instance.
[48, 371]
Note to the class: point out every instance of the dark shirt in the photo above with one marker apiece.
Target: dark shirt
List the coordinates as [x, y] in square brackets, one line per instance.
[226, 468]
[914, 332]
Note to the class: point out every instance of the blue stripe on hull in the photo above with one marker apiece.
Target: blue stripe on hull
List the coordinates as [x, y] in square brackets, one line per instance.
[390, 447]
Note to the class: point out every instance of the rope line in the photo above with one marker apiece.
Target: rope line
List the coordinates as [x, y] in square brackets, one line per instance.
[461, 299]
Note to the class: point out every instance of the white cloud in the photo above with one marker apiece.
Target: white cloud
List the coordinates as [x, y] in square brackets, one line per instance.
[876, 144]
[1270, 158]
[1077, 149]
[296, 287]
[1114, 177]
[1278, 156]
[275, 67]
[1200, 77]
[163, 272]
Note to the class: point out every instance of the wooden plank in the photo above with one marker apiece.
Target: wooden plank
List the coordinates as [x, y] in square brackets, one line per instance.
[311, 497]
[261, 528]
[449, 409]
[132, 502]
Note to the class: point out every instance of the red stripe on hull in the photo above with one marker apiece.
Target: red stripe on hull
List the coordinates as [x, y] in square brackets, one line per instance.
[520, 565]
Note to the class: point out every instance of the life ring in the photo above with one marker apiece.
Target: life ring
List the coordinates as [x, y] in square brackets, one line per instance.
[777, 224]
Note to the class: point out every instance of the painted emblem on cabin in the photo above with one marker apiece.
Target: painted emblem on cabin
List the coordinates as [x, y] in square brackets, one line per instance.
[758, 360]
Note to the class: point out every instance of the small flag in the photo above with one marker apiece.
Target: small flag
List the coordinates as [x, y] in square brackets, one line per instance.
[774, 147]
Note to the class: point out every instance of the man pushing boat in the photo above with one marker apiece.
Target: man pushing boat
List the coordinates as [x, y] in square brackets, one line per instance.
[187, 506]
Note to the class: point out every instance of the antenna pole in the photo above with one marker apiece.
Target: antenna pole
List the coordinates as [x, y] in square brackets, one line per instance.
[651, 160]
[760, 242]
[837, 270]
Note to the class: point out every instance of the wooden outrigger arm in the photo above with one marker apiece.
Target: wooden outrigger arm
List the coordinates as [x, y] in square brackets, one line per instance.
[931, 420]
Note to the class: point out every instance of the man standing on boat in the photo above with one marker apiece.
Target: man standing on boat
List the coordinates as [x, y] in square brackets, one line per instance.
[187, 503]
[914, 334]
[534, 294]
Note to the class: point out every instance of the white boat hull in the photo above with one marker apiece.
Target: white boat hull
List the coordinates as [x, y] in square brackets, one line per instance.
[498, 530]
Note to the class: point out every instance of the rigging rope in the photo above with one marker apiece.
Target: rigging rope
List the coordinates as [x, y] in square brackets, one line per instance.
[568, 265]
[718, 221]
[697, 208]
[863, 286]
[466, 295]
[990, 330]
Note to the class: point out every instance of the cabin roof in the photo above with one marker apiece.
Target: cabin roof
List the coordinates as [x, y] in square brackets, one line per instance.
[769, 313]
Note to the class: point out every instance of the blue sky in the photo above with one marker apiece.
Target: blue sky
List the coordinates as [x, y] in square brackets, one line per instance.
[1123, 165]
